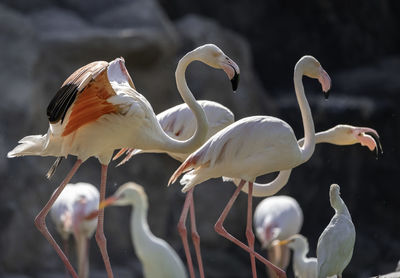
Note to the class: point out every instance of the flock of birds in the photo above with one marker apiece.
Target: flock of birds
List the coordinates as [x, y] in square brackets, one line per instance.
[98, 110]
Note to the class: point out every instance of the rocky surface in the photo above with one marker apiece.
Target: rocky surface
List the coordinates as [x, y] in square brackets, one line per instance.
[42, 42]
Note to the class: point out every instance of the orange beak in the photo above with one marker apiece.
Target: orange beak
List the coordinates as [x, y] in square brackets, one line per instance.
[283, 242]
[107, 202]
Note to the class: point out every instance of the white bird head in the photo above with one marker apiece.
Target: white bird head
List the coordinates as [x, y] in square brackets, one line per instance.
[213, 56]
[334, 195]
[295, 242]
[309, 66]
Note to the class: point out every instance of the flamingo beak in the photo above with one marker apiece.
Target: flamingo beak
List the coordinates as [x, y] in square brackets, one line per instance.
[325, 81]
[232, 70]
[107, 202]
[369, 137]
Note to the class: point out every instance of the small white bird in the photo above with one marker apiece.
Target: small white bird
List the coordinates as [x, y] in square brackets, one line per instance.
[156, 255]
[277, 218]
[336, 243]
[303, 267]
[68, 214]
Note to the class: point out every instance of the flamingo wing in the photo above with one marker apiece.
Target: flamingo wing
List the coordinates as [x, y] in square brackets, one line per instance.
[66, 95]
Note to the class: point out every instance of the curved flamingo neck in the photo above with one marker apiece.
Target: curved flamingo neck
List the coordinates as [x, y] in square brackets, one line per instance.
[309, 132]
[199, 136]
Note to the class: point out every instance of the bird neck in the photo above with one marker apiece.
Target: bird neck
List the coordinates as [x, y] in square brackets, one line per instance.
[140, 232]
[300, 254]
[326, 136]
[339, 206]
[82, 254]
[267, 189]
[309, 131]
[199, 136]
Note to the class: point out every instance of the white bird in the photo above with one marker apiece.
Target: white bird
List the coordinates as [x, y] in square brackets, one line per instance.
[68, 214]
[336, 243]
[252, 147]
[180, 123]
[97, 110]
[277, 218]
[158, 258]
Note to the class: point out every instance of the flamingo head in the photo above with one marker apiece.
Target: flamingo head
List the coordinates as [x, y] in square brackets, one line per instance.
[349, 135]
[213, 56]
[309, 66]
[267, 234]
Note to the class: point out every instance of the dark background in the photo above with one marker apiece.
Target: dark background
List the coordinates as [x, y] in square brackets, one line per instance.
[357, 42]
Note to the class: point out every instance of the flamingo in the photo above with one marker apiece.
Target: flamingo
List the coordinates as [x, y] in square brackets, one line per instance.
[179, 123]
[157, 257]
[277, 218]
[68, 214]
[251, 147]
[98, 110]
[280, 217]
[336, 243]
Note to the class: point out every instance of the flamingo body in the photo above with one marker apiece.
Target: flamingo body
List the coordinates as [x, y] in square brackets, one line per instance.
[237, 151]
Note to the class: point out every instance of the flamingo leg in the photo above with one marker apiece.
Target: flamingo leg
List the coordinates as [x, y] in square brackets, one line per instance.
[220, 229]
[40, 220]
[196, 236]
[66, 252]
[249, 229]
[183, 231]
[100, 237]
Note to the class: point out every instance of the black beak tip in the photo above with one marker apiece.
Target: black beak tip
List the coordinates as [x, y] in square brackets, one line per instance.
[235, 81]
[326, 95]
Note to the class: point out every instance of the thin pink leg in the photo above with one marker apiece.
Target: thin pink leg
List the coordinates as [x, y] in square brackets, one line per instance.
[100, 237]
[219, 228]
[40, 220]
[195, 236]
[183, 231]
[66, 252]
[249, 228]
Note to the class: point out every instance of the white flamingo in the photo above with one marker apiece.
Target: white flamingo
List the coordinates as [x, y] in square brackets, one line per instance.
[97, 110]
[158, 258]
[336, 243]
[68, 214]
[252, 147]
[277, 218]
[180, 123]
